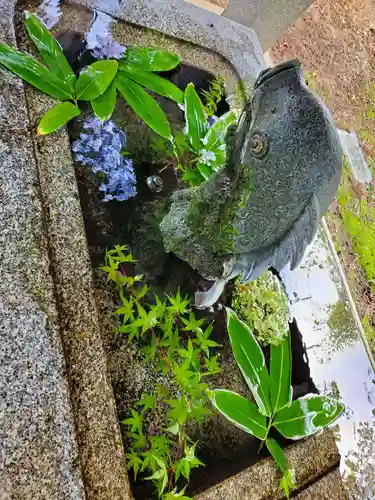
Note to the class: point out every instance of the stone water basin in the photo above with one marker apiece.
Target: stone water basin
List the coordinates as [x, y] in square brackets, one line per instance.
[97, 362]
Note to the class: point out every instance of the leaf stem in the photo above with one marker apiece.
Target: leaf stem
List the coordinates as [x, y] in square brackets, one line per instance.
[268, 430]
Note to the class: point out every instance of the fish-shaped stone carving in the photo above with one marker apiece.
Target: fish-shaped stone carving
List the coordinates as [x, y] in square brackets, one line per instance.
[263, 208]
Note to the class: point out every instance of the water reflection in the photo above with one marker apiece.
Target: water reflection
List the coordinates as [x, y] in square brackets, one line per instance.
[338, 359]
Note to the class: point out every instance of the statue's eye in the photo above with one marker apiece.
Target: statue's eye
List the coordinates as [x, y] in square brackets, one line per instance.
[259, 145]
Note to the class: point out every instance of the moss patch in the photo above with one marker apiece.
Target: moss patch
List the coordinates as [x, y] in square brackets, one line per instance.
[264, 307]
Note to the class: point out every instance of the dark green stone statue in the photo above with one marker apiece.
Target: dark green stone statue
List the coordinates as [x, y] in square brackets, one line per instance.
[262, 209]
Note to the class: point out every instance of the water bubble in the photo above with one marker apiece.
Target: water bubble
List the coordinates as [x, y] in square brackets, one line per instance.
[155, 183]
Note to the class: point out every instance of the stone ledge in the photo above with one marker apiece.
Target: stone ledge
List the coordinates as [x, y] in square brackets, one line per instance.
[310, 458]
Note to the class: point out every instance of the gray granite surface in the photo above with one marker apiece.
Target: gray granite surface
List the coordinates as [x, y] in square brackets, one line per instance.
[38, 450]
[268, 18]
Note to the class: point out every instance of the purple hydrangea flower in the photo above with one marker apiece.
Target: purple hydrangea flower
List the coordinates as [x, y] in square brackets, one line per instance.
[100, 149]
[107, 48]
[212, 119]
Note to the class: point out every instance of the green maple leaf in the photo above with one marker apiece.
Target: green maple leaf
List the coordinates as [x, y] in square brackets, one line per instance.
[192, 324]
[203, 340]
[287, 482]
[139, 440]
[179, 305]
[175, 494]
[191, 355]
[212, 366]
[180, 410]
[160, 445]
[199, 411]
[126, 310]
[133, 462]
[148, 402]
[188, 462]
[135, 422]
[150, 350]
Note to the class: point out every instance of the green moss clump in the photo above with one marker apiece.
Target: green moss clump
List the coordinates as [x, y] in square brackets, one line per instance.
[358, 216]
[264, 307]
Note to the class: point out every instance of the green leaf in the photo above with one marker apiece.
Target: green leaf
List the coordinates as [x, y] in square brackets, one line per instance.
[148, 402]
[215, 137]
[139, 440]
[306, 416]
[280, 375]
[204, 170]
[193, 177]
[151, 59]
[277, 454]
[161, 475]
[49, 49]
[95, 79]
[179, 411]
[179, 304]
[153, 82]
[135, 422]
[196, 121]
[175, 494]
[240, 411]
[57, 116]
[133, 462]
[288, 482]
[33, 72]
[104, 105]
[144, 105]
[188, 462]
[250, 359]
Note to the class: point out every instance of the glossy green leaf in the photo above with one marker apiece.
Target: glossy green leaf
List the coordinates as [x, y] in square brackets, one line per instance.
[204, 170]
[287, 481]
[104, 105]
[196, 122]
[240, 411]
[49, 49]
[280, 379]
[144, 105]
[278, 454]
[151, 59]
[153, 82]
[215, 137]
[95, 79]
[250, 359]
[33, 72]
[57, 116]
[306, 416]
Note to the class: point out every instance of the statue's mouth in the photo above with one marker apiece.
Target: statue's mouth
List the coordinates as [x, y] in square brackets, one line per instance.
[269, 73]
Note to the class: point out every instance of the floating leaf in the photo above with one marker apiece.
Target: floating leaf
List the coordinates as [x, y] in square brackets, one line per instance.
[144, 105]
[57, 116]
[104, 105]
[153, 82]
[240, 411]
[215, 137]
[306, 416]
[151, 59]
[33, 72]
[196, 122]
[49, 49]
[250, 359]
[280, 379]
[95, 79]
